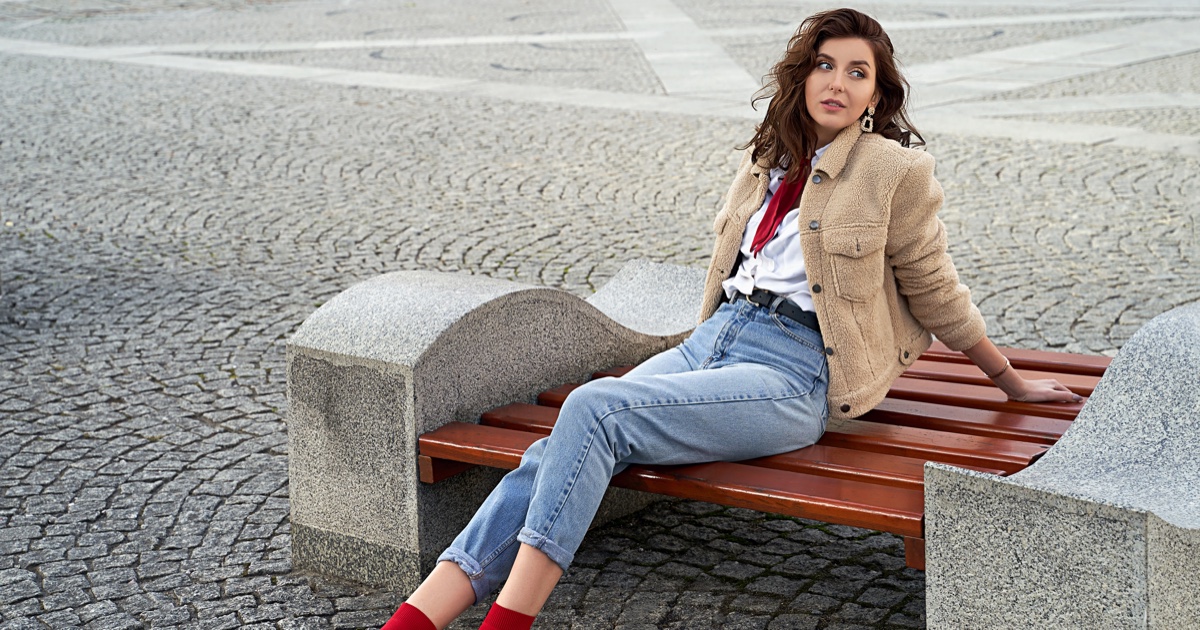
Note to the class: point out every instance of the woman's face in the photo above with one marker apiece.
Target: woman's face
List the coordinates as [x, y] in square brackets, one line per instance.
[841, 86]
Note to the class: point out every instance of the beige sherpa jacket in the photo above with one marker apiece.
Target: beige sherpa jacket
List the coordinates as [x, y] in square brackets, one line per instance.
[875, 253]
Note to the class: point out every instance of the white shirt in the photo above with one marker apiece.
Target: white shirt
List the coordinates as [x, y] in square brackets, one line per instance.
[779, 266]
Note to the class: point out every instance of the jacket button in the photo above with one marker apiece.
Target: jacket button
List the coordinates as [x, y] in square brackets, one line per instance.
[845, 408]
[829, 351]
[812, 225]
[817, 179]
[817, 289]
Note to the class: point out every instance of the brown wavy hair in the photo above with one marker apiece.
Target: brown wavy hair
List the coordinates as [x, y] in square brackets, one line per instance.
[787, 128]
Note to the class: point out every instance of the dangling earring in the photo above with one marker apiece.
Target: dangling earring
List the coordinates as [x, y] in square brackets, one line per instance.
[867, 124]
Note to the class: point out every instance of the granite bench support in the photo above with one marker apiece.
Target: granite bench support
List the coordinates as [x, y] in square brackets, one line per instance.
[1104, 530]
[398, 356]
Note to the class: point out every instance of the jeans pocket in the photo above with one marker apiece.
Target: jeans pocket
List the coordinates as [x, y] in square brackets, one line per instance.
[806, 356]
[799, 332]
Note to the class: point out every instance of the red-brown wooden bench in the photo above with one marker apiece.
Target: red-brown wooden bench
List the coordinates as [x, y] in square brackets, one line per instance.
[866, 472]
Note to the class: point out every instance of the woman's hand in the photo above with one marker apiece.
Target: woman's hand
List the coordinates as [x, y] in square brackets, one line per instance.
[985, 355]
[1036, 390]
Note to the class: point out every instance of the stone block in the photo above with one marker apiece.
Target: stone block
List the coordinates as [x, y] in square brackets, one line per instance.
[1104, 530]
[404, 353]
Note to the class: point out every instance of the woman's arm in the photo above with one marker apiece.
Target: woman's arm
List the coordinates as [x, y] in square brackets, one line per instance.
[985, 355]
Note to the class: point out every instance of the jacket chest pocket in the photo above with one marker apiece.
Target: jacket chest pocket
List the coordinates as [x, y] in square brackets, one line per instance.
[856, 255]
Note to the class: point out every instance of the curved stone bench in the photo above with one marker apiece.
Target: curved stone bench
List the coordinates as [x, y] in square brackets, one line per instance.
[1104, 530]
[404, 353]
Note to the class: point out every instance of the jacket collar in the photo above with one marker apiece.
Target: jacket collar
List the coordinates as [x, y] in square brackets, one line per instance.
[835, 156]
[839, 151]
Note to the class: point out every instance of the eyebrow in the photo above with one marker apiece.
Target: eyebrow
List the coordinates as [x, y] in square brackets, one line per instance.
[856, 62]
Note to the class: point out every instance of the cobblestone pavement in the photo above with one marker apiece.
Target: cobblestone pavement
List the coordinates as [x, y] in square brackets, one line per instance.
[163, 231]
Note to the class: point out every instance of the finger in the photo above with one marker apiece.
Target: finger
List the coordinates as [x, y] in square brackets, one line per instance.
[1059, 393]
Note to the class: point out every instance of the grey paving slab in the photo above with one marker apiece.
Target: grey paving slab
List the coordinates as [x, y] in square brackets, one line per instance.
[686, 60]
[1166, 75]
[164, 230]
[1044, 62]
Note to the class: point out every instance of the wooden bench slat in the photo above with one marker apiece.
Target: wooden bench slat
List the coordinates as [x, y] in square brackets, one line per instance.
[474, 444]
[937, 446]
[616, 371]
[938, 369]
[969, 374]
[984, 422]
[554, 397]
[883, 508]
[502, 448]
[976, 397]
[522, 417]
[940, 446]
[505, 445]
[862, 504]
[1057, 362]
[843, 463]
[904, 388]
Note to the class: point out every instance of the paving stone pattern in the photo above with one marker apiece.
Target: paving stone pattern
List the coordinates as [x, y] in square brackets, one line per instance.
[758, 53]
[163, 232]
[153, 21]
[1169, 74]
[617, 66]
[717, 14]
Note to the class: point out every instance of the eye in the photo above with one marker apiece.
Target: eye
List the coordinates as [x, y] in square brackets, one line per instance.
[824, 65]
[858, 74]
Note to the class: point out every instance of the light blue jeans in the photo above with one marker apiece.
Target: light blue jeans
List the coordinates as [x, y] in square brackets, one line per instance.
[747, 383]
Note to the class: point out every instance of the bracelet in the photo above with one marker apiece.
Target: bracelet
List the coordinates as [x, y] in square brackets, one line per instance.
[1002, 370]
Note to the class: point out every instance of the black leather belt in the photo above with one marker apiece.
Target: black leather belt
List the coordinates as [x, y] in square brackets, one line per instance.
[786, 307]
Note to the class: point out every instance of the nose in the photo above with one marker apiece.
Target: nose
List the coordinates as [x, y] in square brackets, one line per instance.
[836, 83]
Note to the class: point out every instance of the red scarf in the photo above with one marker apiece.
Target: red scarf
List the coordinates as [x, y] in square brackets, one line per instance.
[781, 203]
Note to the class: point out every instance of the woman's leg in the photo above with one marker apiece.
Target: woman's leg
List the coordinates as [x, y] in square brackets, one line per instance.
[483, 554]
[754, 371]
[733, 413]
[760, 390]
[444, 594]
[530, 582]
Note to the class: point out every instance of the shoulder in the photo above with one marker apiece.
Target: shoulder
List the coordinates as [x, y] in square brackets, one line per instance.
[882, 165]
[889, 153]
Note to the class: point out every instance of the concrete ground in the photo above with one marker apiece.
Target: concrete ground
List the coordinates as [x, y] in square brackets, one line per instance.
[182, 182]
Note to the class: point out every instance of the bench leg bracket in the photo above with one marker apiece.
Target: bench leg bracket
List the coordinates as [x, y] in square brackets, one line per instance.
[914, 553]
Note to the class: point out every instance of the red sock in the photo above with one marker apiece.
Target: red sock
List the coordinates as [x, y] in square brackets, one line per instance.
[501, 618]
[409, 618]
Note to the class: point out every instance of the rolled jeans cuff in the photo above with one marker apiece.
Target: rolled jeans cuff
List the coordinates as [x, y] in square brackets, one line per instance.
[557, 554]
[479, 582]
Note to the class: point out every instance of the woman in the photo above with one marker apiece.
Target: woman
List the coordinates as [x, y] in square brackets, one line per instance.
[829, 273]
